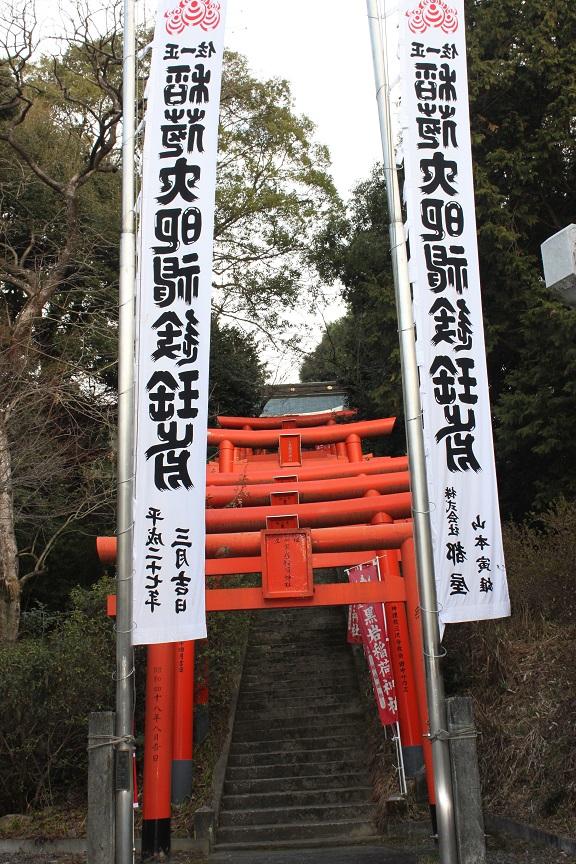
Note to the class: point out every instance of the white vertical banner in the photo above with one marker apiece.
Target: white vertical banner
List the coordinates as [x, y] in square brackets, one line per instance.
[444, 271]
[173, 308]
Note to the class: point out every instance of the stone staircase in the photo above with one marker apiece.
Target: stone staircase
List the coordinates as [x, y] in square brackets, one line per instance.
[297, 771]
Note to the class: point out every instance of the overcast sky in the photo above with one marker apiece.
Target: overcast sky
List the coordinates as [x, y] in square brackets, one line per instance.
[322, 47]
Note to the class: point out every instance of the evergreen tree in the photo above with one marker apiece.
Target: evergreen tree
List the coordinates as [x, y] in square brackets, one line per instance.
[523, 109]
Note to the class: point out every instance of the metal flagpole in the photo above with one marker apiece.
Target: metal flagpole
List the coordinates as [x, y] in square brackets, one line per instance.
[415, 440]
[125, 482]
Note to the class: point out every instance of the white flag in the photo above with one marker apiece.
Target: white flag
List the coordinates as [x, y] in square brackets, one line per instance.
[466, 532]
[174, 288]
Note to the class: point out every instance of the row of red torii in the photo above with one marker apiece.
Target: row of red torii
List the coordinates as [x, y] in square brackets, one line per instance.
[286, 496]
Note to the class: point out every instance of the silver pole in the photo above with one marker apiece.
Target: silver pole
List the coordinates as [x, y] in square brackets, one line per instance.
[126, 331]
[415, 440]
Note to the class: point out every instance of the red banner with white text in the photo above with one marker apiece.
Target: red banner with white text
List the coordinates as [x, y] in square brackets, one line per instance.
[372, 628]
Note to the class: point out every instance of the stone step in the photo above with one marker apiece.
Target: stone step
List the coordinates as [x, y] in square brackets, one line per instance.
[351, 829]
[309, 614]
[312, 814]
[255, 690]
[312, 643]
[347, 726]
[298, 798]
[294, 769]
[289, 745]
[297, 773]
[307, 667]
[246, 715]
[287, 636]
[370, 842]
[337, 676]
[308, 701]
[303, 783]
[283, 757]
[266, 725]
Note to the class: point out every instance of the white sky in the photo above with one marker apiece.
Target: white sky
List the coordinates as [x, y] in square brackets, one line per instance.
[323, 49]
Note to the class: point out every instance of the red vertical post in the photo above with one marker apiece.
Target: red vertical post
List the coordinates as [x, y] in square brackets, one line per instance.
[183, 749]
[354, 447]
[158, 736]
[341, 451]
[226, 457]
[415, 628]
[248, 451]
[332, 447]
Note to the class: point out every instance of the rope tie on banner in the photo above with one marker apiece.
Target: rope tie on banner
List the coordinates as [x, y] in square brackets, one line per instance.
[110, 741]
[436, 656]
[125, 632]
[439, 608]
[131, 674]
[466, 733]
[421, 512]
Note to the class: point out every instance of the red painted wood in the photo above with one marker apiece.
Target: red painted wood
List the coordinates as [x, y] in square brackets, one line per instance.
[183, 700]
[349, 538]
[287, 564]
[319, 514]
[253, 473]
[278, 422]
[310, 490]
[408, 558]
[223, 599]
[253, 564]
[290, 450]
[343, 539]
[277, 499]
[311, 436]
[158, 732]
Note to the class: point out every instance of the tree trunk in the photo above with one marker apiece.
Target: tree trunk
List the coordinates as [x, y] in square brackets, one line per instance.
[10, 588]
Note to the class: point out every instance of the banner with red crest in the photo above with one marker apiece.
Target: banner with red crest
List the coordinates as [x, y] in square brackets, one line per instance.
[444, 271]
[173, 320]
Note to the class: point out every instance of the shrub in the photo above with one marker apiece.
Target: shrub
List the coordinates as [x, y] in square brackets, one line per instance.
[521, 673]
[49, 686]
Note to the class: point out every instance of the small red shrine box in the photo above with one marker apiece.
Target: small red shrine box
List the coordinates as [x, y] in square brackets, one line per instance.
[288, 497]
[290, 450]
[287, 563]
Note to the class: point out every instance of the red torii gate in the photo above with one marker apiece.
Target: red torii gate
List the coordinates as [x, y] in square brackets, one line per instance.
[313, 512]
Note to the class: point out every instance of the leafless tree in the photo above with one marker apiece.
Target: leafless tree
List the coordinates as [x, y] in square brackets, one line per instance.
[59, 125]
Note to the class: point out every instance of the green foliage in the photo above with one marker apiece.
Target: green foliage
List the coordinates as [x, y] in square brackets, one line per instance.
[273, 193]
[523, 103]
[49, 684]
[236, 372]
[361, 350]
